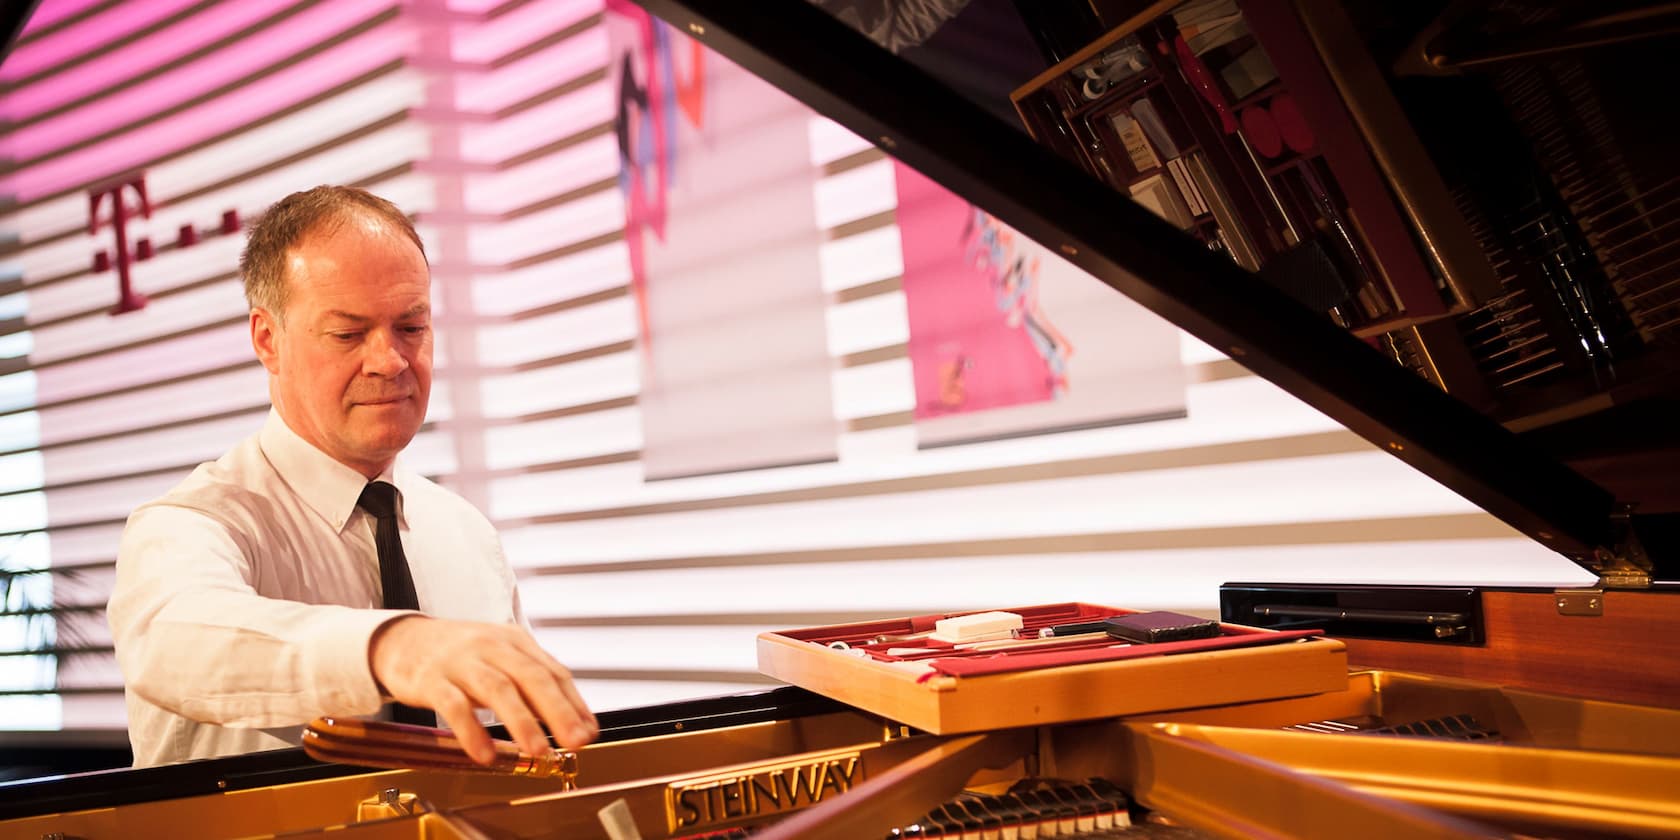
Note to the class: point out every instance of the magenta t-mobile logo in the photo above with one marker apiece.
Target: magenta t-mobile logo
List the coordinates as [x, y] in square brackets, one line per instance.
[121, 191]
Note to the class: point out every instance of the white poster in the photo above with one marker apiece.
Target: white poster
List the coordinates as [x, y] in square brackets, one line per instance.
[721, 225]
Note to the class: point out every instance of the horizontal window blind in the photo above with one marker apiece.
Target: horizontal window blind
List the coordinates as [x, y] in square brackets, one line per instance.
[492, 123]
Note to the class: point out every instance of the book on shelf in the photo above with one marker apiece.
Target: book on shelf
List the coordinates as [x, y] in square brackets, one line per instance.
[1232, 232]
[1159, 194]
[1143, 111]
[1179, 168]
[1139, 151]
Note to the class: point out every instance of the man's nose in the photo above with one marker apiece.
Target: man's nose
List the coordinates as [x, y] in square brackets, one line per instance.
[382, 355]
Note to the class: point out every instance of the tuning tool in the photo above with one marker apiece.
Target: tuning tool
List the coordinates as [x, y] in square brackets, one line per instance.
[374, 743]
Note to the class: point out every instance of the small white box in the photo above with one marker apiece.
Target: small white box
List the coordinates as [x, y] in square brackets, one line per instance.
[976, 627]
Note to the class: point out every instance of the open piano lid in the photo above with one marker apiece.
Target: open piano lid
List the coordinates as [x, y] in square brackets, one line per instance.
[814, 57]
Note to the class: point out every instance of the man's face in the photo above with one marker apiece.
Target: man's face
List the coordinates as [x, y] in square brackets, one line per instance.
[351, 366]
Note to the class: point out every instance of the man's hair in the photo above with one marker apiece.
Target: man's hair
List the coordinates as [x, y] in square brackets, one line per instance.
[323, 209]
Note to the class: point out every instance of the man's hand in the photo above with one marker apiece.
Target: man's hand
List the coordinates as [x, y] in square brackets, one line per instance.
[454, 667]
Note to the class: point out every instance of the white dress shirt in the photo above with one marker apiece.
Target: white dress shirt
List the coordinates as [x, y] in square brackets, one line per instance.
[246, 596]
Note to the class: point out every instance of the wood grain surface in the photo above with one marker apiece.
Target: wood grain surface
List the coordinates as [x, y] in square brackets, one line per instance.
[1630, 654]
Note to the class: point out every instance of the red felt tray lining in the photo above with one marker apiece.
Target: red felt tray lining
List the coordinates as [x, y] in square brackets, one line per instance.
[952, 662]
[1032, 618]
[998, 662]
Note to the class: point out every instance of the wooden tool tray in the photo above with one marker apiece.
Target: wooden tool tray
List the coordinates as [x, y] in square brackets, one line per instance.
[937, 687]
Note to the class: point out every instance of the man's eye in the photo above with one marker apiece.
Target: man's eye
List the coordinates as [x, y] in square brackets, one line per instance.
[346, 337]
[419, 329]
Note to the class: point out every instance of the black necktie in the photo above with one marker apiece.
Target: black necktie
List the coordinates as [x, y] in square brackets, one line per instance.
[380, 501]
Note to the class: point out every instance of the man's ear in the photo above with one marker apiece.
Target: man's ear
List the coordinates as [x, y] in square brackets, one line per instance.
[265, 339]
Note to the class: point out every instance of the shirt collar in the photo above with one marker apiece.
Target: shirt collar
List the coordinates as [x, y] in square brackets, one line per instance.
[326, 486]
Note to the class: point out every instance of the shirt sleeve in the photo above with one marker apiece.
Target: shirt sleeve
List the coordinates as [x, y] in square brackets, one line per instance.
[502, 568]
[192, 635]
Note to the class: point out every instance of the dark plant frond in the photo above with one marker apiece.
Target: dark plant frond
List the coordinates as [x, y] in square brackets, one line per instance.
[67, 572]
[76, 609]
[60, 650]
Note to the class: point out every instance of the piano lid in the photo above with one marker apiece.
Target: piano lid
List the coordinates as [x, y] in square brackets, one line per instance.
[823, 62]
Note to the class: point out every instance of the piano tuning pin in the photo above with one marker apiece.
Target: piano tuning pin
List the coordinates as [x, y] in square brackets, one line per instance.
[230, 221]
[143, 248]
[102, 261]
[186, 237]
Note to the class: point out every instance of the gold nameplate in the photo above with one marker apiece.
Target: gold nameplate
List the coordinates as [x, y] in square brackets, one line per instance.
[709, 801]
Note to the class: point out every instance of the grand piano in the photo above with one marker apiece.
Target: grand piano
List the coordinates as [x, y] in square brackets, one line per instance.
[1468, 711]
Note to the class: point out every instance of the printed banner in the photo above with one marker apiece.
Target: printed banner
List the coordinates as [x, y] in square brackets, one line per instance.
[1007, 338]
[722, 231]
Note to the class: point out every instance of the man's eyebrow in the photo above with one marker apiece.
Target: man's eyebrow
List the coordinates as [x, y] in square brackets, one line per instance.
[413, 311]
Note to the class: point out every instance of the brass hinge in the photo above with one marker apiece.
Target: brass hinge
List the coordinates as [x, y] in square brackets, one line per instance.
[1618, 571]
[1624, 578]
[1625, 566]
[1580, 601]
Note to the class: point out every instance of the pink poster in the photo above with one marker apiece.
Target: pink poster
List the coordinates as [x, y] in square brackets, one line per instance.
[1008, 338]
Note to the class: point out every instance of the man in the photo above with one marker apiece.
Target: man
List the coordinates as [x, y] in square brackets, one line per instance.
[248, 598]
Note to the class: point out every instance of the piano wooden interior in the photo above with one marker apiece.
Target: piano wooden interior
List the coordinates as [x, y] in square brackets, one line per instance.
[1468, 712]
[1490, 760]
